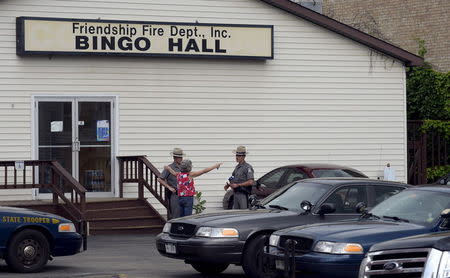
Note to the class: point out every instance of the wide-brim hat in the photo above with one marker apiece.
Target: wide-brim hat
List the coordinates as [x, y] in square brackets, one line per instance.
[241, 150]
[177, 152]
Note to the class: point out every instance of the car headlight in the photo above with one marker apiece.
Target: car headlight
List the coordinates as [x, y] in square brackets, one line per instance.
[66, 228]
[444, 266]
[274, 240]
[338, 248]
[167, 227]
[216, 232]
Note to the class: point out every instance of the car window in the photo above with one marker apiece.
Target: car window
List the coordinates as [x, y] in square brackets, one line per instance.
[272, 179]
[383, 192]
[417, 206]
[355, 174]
[295, 175]
[330, 173]
[444, 180]
[291, 196]
[346, 198]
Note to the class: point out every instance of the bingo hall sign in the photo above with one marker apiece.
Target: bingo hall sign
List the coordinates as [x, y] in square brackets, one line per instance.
[62, 36]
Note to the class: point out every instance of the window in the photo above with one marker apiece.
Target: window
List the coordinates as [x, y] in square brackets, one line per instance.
[355, 174]
[273, 178]
[295, 175]
[330, 173]
[291, 196]
[418, 206]
[383, 192]
[444, 180]
[345, 199]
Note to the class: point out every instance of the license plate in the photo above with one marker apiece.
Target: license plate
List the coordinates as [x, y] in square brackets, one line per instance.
[171, 248]
[279, 264]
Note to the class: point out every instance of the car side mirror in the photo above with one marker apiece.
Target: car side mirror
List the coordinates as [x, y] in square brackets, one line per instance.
[257, 184]
[361, 207]
[253, 201]
[445, 214]
[326, 208]
[306, 205]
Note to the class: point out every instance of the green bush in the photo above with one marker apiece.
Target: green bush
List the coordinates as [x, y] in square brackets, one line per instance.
[433, 173]
[441, 127]
[428, 94]
[428, 91]
[428, 99]
[200, 204]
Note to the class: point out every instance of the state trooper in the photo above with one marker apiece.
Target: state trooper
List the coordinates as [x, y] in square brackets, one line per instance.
[170, 182]
[241, 180]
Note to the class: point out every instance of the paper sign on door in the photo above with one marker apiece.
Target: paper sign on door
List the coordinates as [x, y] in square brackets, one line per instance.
[56, 126]
[103, 130]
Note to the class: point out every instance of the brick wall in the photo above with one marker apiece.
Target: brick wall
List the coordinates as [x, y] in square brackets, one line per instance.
[400, 22]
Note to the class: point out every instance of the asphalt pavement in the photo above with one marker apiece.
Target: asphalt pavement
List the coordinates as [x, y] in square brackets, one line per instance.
[119, 256]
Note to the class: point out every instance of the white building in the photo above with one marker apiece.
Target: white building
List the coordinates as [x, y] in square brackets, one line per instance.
[329, 93]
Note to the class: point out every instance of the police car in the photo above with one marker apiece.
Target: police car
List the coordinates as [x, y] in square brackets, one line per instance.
[335, 250]
[211, 242]
[29, 238]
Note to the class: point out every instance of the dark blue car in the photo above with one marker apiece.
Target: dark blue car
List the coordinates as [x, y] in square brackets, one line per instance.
[29, 238]
[337, 249]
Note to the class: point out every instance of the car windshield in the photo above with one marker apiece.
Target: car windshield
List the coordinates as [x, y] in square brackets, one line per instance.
[291, 196]
[331, 173]
[417, 206]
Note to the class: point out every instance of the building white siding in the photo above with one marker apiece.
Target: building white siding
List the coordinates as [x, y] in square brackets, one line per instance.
[323, 98]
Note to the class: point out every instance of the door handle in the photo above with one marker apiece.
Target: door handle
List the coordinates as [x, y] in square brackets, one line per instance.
[76, 146]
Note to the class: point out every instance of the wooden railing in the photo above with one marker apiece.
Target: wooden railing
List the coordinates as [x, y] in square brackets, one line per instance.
[137, 169]
[51, 176]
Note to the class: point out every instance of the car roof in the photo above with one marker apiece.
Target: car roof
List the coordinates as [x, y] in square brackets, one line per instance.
[319, 166]
[435, 188]
[352, 180]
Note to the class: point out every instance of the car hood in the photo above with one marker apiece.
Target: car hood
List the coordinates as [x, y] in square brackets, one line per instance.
[13, 211]
[233, 218]
[420, 241]
[364, 232]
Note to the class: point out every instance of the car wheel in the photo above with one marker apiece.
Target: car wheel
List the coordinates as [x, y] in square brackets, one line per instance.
[228, 200]
[253, 259]
[28, 251]
[209, 268]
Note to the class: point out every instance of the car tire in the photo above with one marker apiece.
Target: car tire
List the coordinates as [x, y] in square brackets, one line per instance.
[252, 262]
[209, 268]
[28, 251]
[228, 200]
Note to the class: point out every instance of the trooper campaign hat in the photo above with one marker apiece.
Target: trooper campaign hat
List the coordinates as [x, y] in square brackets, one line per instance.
[241, 150]
[177, 152]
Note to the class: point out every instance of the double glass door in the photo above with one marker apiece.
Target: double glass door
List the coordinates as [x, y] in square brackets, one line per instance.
[77, 132]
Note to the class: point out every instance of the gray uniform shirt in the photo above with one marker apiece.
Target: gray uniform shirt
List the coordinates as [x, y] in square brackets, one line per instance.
[242, 173]
[167, 176]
